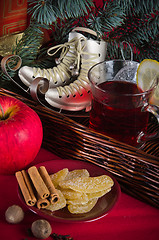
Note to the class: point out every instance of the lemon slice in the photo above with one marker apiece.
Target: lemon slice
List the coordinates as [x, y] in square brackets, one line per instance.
[147, 73]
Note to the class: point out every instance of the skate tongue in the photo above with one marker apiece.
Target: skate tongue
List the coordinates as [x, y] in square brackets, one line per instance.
[86, 30]
[75, 35]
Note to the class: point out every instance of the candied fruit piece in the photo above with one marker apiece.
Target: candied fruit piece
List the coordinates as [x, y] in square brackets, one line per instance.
[81, 200]
[77, 173]
[59, 176]
[98, 194]
[88, 184]
[82, 208]
[71, 194]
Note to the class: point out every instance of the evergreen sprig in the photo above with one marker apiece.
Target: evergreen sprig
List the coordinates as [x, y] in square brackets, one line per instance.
[136, 22]
[119, 21]
[29, 44]
[44, 12]
[138, 7]
[74, 8]
[104, 19]
[133, 21]
[48, 11]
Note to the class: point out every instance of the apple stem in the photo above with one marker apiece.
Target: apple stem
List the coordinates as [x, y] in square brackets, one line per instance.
[2, 111]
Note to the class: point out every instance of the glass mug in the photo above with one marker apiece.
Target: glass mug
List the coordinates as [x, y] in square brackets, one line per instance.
[120, 109]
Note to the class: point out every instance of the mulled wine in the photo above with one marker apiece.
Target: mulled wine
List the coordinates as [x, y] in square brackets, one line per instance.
[117, 111]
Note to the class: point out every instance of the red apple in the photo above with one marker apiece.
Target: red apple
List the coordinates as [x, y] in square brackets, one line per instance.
[21, 135]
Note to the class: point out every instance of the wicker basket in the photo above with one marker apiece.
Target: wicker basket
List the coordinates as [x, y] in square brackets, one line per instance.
[136, 170]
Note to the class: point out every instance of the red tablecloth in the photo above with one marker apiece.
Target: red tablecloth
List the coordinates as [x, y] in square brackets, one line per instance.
[129, 220]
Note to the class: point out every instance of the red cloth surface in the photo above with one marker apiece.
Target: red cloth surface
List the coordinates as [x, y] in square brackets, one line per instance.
[130, 219]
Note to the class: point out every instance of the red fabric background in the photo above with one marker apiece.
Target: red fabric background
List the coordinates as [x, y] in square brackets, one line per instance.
[129, 220]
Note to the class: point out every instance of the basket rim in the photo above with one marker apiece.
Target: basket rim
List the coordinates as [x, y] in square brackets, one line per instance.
[85, 131]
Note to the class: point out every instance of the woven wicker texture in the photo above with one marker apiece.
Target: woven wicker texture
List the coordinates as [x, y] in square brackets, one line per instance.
[136, 170]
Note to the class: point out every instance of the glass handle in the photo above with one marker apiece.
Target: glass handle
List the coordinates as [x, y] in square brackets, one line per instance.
[143, 137]
[154, 110]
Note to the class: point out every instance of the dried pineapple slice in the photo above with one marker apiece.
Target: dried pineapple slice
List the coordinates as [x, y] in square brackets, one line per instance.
[59, 176]
[59, 204]
[82, 208]
[88, 184]
[82, 200]
[98, 194]
[77, 173]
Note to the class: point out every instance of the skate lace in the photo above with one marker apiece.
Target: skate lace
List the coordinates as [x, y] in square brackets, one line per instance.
[69, 55]
[82, 81]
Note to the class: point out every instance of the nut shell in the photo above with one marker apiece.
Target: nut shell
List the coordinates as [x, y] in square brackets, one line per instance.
[41, 229]
[14, 214]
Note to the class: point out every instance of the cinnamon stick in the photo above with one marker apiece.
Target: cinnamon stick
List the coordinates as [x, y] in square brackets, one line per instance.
[54, 197]
[38, 183]
[42, 203]
[25, 187]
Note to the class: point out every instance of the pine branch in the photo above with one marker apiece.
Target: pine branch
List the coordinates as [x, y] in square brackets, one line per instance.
[48, 11]
[44, 12]
[138, 7]
[140, 33]
[100, 19]
[31, 49]
[105, 18]
[134, 21]
[74, 8]
[27, 47]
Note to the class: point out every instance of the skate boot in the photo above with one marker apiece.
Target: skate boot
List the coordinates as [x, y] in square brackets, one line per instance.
[76, 96]
[67, 64]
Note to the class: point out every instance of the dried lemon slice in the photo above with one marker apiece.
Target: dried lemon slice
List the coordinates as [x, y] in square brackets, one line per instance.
[147, 73]
[88, 184]
[59, 204]
[82, 208]
[59, 176]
